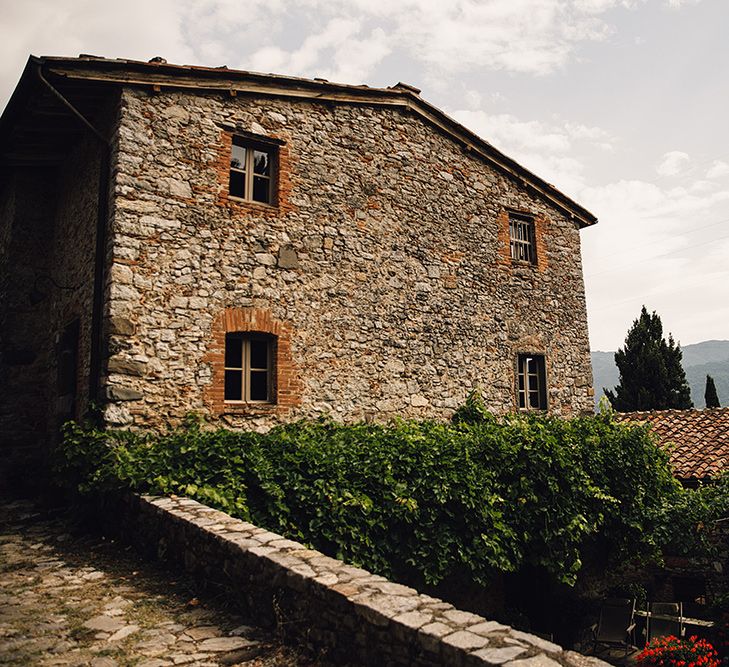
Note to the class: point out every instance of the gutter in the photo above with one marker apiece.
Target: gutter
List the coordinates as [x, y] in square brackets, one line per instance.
[95, 352]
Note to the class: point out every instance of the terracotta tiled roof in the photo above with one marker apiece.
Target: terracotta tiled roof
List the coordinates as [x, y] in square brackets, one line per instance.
[698, 440]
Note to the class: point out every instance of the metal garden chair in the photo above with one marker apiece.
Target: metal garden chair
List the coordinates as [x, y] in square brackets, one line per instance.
[616, 625]
[665, 618]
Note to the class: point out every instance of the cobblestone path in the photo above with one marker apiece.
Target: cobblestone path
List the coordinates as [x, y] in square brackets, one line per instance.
[70, 598]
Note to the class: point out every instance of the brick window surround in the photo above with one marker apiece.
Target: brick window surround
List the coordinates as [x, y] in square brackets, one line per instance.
[253, 170]
[286, 383]
[282, 167]
[521, 233]
[540, 227]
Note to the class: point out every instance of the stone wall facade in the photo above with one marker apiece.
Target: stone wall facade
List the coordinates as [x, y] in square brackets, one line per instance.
[383, 262]
[379, 275]
[344, 613]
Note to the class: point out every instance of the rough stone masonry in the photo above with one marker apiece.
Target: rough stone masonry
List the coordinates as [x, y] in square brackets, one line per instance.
[348, 614]
[382, 269]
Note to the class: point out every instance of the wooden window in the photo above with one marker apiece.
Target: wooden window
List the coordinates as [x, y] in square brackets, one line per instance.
[252, 171]
[532, 387]
[521, 238]
[249, 368]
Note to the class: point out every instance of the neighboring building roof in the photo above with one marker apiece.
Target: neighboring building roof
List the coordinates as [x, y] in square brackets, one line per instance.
[697, 440]
[157, 74]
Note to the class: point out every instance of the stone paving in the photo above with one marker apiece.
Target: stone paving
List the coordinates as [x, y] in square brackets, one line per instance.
[70, 598]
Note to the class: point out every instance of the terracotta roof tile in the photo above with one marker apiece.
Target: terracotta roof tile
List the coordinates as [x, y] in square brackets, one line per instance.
[697, 440]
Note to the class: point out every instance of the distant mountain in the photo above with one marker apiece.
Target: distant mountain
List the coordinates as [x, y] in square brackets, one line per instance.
[710, 357]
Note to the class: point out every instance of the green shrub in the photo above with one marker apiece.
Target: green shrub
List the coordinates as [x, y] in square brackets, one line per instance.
[417, 501]
[689, 528]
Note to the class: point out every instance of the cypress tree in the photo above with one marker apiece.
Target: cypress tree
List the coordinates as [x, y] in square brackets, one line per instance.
[710, 395]
[651, 375]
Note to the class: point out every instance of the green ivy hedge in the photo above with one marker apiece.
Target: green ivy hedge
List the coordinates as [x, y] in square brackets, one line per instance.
[413, 500]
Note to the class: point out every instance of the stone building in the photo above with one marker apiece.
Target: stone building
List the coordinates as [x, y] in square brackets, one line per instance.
[261, 248]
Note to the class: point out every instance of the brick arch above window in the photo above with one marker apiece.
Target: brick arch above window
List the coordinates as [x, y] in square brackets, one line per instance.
[286, 383]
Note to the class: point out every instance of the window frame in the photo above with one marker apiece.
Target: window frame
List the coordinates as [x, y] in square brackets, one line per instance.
[524, 389]
[522, 250]
[251, 146]
[247, 370]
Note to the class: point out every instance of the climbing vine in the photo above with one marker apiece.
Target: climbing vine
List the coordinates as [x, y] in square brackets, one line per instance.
[413, 500]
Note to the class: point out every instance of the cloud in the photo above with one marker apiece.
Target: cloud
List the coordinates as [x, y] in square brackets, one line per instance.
[702, 187]
[527, 36]
[349, 55]
[637, 199]
[71, 27]
[534, 37]
[655, 246]
[300, 60]
[677, 4]
[673, 163]
[547, 149]
[507, 130]
[344, 40]
[718, 169]
[354, 60]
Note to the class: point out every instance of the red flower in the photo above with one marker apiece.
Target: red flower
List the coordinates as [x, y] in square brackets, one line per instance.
[674, 652]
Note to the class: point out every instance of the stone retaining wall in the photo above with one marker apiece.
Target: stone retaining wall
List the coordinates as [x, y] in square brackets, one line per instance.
[346, 614]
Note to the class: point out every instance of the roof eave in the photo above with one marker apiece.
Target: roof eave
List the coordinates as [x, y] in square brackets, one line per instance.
[221, 79]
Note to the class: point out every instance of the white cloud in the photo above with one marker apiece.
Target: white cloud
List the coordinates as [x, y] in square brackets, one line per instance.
[630, 200]
[599, 6]
[531, 36]
[71, 27]
[673, 163]
[476, 99]
[527, 36]
[473, 99]
[701, 186]
[337, 32]
[269, 59]
[718, 169]
[654, 246]
[354, 60]
[547, 149]
[677, 4]
[579, 131]
[349, 56]
[227, 31]
[507, 130]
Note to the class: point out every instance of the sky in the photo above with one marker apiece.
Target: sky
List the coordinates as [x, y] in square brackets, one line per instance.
[621, 104]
